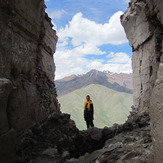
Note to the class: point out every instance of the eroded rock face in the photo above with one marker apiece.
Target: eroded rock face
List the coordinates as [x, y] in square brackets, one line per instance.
[27, 43]
[143, 23]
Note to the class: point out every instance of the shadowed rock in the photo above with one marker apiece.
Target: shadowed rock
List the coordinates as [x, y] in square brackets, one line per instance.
[59, 135]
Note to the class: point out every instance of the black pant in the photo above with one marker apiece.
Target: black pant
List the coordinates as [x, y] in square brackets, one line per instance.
[89, 123]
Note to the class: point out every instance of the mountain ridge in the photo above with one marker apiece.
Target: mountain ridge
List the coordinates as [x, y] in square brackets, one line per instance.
[119, 82]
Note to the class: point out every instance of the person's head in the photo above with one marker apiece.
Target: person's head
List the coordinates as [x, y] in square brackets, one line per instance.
[88, 98]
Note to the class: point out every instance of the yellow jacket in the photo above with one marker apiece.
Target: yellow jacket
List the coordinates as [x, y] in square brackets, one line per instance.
[87, 105]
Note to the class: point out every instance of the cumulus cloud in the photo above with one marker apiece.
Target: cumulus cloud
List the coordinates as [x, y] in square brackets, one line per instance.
[57, 14]
[119, 58]
[68, 63]
[72, 63]
[115, 62]
[82, 30]
[81, 38]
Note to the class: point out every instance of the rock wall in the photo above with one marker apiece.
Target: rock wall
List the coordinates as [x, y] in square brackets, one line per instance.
[143, 23]
[27, 90]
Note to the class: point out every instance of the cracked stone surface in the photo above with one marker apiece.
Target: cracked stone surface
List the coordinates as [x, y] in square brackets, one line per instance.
[143, 24]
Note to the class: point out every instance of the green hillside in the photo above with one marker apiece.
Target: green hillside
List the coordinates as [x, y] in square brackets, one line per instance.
[110, 106]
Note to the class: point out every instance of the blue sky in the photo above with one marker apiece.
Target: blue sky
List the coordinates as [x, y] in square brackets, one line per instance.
[90, 36]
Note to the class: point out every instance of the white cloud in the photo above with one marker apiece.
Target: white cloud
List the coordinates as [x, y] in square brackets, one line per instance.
[87, 49]
[82, 30]
[115, 62]
[96, 64]
[57, 14]
[83, 37]
[117, 68]
[68, 63]
[119, 58]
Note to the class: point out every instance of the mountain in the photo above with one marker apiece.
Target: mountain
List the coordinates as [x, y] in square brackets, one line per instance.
[119, 82]
[111, 94]
[110, 106]
[122, 79]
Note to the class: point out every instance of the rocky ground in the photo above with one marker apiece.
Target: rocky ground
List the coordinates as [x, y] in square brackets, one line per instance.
[126, 147]
[58, 140]
[127, 143]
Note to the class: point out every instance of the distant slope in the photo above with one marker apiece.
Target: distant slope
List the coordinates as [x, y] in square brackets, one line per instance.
[118, 82]
[110, 106]
[122, 79]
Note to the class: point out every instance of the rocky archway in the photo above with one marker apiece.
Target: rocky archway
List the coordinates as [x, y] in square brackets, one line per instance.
[27, 68]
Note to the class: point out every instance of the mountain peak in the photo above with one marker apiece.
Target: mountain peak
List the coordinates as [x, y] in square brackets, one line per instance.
[118, 82]
[94, 72]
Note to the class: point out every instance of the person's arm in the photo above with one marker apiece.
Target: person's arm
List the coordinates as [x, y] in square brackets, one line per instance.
[85, 106]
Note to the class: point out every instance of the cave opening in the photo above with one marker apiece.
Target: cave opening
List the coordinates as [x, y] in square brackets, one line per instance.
[33, 126]
[93, 57]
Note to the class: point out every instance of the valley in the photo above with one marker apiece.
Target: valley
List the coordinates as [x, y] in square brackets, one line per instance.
[110, 106]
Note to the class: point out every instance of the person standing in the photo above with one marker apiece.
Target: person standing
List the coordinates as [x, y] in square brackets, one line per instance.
[88, 112]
